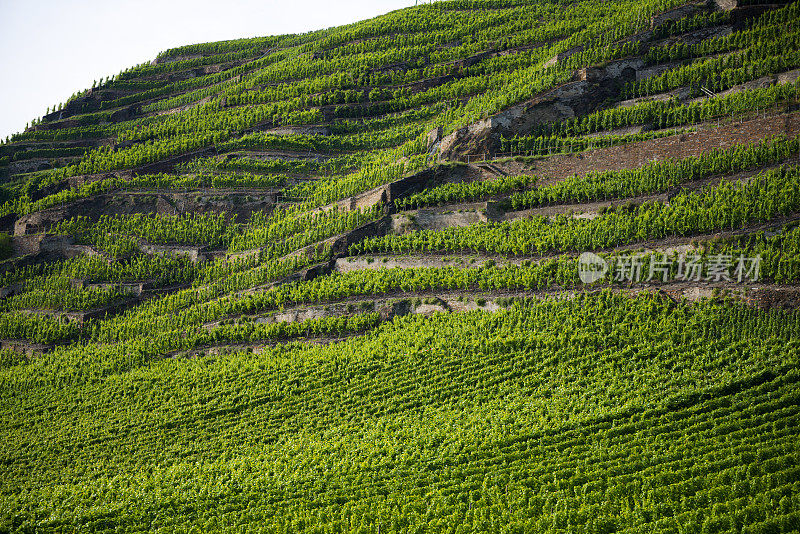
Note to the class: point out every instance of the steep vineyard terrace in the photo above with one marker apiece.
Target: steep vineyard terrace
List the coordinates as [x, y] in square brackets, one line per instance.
[380, 226]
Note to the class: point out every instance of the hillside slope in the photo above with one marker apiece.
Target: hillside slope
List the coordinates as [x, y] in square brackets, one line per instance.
[476, 265]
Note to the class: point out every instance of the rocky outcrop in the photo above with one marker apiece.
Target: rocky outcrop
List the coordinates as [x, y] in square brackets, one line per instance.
[590, 88]
[726, 5]
[341, 244]
[403, 187]
[44, 244]
[40, 221]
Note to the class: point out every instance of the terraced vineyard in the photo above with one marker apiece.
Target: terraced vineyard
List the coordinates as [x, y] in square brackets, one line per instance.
[340, 281]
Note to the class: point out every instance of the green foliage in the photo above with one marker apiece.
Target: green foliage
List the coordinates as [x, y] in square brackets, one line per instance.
[660, 175]
[474, 410]
[194, 228]
[58, 295]
[540, 146]
[765, 48]
[36, 328]
[227, 394]
[728, 205]
[670, 113]
[464, 191]
[6, 247]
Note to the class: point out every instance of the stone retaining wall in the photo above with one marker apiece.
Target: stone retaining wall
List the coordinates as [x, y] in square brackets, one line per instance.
[679, 146]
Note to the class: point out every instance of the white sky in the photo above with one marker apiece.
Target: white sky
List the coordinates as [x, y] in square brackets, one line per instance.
[50, 49]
